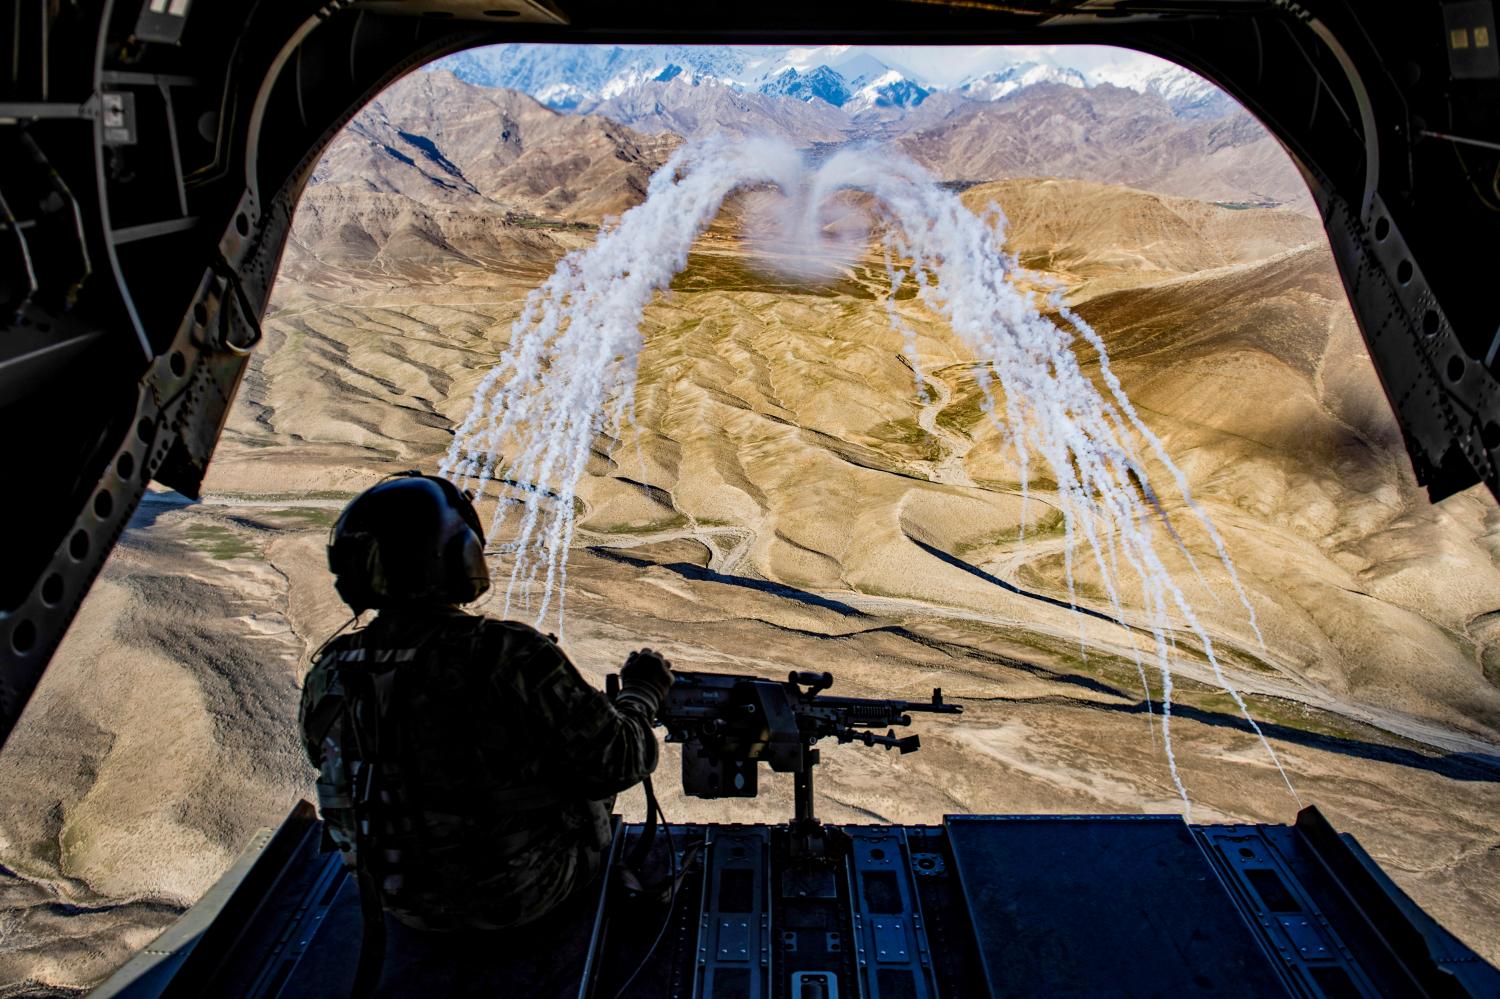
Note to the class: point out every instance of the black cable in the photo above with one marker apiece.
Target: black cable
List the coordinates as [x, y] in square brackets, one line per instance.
[1320, 82]
[70, 297]
[1463, 167]
[666, 921]
[342, 628]
[8, 218]
[218, 167]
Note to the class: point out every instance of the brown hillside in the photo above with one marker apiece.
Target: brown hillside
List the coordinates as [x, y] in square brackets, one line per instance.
[1112, 135]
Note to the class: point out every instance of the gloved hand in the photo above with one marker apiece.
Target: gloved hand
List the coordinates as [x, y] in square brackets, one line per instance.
[646, 676]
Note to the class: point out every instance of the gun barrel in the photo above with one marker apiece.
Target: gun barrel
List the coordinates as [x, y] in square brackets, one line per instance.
[861, 707]
[931, 708]
[938, 706]
[701, 694]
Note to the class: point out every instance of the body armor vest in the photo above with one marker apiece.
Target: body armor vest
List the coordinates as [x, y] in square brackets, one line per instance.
[408, 780]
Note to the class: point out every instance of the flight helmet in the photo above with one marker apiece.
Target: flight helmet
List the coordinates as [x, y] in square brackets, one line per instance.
[410, 539]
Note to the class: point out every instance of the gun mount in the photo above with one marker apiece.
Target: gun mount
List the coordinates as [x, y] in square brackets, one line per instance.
[728, 724]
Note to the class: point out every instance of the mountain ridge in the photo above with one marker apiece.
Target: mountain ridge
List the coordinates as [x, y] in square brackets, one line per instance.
[1146, 124]
[1112, 135]
[578, 77]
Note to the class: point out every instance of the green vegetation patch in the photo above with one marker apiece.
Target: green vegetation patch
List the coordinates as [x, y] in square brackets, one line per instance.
[1246, 660]
[1049, 575]
[48, 852]
[668, 524]
[1293, 715]
[220, 542]
[1034, 484]
[1240, 206]
[317, 494]
[961, 414]
[908, 435]
[725, 272]
[74, 840]
[525, 221]
[1049, 524]
[1038, 260]
[1065, 657]
[301, 517]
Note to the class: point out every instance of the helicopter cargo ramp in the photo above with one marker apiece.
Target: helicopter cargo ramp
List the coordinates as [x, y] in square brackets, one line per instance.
[1056, 905]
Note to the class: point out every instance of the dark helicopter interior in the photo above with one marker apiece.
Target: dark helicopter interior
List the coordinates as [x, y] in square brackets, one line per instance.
[153, 154]
[980, 905]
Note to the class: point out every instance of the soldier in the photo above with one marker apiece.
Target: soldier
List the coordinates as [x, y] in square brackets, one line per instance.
[466, 770]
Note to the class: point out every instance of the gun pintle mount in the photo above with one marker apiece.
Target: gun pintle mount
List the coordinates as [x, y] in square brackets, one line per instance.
[727, 724]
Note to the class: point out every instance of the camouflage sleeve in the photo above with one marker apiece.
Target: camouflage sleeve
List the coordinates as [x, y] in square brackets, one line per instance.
[303, 711]
[605, 748]
[314, 689]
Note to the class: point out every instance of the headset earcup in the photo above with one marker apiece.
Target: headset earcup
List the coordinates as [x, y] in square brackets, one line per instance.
[462, 505]
[351, 593]
[470, 576]
[355, 562]
[479, 574]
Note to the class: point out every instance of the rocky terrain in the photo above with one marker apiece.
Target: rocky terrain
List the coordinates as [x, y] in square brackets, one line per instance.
[786, 498]
[440, 141]
[1114, 135]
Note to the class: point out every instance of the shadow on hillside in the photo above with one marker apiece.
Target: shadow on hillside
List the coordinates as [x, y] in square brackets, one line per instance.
[1466, 767]
[1454, 766]
[688, 570]
[974, 570]
[153, 505]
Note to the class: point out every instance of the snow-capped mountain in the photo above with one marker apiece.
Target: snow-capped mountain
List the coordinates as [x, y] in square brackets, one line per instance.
[866, 84]
[574, 77]
[821, 84]
[889, 90]
[1186, 93]
[856, 82]
[1002, 83]
[578, 77]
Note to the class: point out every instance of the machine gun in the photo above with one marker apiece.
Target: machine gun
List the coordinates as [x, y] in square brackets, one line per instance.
[728, 724]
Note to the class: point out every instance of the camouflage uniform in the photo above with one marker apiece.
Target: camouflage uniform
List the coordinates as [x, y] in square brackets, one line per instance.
[468, 765]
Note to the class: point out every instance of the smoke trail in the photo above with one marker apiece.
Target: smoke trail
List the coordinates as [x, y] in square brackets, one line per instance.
[577, 342]
[571, 368]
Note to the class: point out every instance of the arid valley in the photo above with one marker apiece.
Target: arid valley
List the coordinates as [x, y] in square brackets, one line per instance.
[787, 498]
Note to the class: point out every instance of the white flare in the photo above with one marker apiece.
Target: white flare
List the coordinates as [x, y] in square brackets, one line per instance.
[571, 367]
